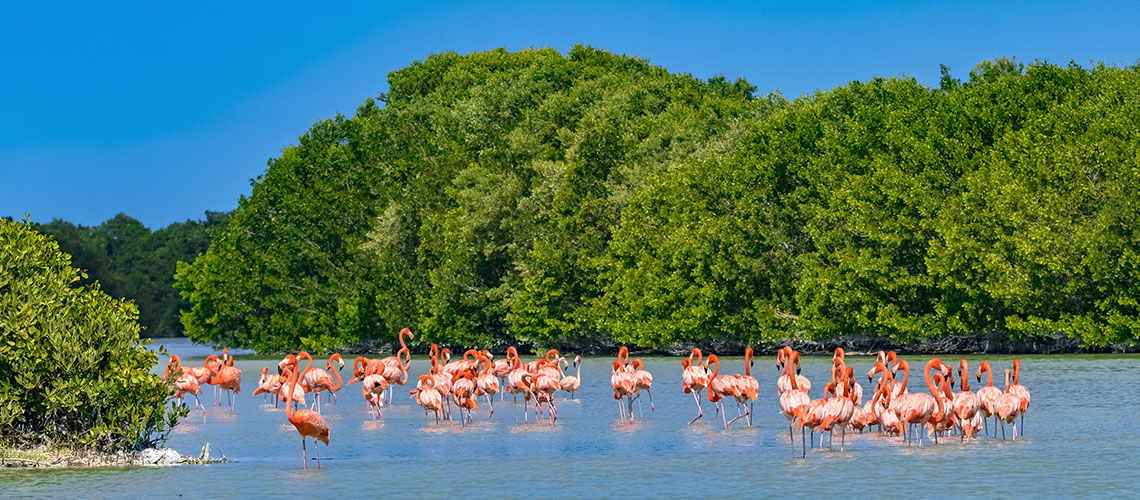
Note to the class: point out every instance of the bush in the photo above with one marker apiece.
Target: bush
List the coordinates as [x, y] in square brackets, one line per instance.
[72, 368]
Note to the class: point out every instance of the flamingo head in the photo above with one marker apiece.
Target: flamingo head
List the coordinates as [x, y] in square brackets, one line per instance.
[323, 436]
[577, 359]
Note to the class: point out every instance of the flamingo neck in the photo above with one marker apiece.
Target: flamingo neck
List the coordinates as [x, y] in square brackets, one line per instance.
[934, 363]
[336, 373]
[292, 384]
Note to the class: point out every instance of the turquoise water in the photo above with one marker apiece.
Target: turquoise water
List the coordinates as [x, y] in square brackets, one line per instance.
[1077, 443]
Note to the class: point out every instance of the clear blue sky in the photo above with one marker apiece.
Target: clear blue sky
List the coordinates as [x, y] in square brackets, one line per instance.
[164, 110]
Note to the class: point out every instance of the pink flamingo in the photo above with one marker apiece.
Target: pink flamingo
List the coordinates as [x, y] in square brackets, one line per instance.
[373, 387]
[644, 381]
[1007, 407]
[463, 392]
[318, 380]
[793, 404]
[749, 386]
[486, 384]
[624, 385]
[427, 397]
[988, 396]
[227, 377]
[916, 409]
[571, 383]
[184, 383]
[1020, 392]
[694, 379]
[966, 403]
[784, 382]
[308, 423]
[720, 387]
[839, 410]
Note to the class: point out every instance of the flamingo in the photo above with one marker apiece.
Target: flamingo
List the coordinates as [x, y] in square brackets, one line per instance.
[486, 384]
[812, 415]
[427, 397]
[749, 386]
[966, 403]
[373, 387]
[265, 382]
[943, 418]
[318, 380]
[793, 404]
[644, 382]
[720, 387]
[442, 384]
[888, 421]
[988, 396]
[227, 377]
[784, 382]
[917, 408]
[184, 383]
[1021, 392]
[307, 422]
[624, 386]
[463, 392]
[1007, 407]
[694, 379]
[838, 411]
[544, 386]
[571, 383]
[504, 366]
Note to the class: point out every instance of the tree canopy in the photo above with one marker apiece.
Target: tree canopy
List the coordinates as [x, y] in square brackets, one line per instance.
[563, 199]
[129, 261]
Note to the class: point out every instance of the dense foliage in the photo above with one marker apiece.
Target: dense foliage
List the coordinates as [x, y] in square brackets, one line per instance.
[565, 199]
[130, 261]
[72, 368]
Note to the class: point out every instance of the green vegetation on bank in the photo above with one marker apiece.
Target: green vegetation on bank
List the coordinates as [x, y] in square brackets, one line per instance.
[73, 371]
[129, 261]
[563, 199]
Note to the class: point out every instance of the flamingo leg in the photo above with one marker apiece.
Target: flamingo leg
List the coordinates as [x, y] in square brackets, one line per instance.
[651, 407]
[304, 454]
[317, 450]
[699, 412]
[803, 443]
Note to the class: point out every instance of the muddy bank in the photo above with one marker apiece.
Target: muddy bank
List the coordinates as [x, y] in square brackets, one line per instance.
[996, 343]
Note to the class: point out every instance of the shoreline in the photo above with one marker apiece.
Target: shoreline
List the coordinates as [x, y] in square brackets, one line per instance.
[45, 457]
[997, 344]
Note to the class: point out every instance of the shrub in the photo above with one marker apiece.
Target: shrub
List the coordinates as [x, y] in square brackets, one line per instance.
[72, 368]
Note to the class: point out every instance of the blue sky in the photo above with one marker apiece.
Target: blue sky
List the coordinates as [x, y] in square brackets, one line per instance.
[164, 110]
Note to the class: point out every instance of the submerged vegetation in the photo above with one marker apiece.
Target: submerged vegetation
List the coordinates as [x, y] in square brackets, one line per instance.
[73, 371]
[562, 199]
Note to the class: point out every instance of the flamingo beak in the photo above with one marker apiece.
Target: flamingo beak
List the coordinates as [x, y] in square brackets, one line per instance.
[797, 370]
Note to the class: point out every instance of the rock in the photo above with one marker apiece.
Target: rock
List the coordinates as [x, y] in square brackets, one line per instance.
[164, 456]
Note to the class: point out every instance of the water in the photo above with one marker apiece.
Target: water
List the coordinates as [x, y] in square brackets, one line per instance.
[1077, 444]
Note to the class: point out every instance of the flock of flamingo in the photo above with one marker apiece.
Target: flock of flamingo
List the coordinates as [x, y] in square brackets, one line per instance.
[463, 381]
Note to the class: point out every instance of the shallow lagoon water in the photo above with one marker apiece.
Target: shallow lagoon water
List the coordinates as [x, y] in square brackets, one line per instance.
[1078, 442]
